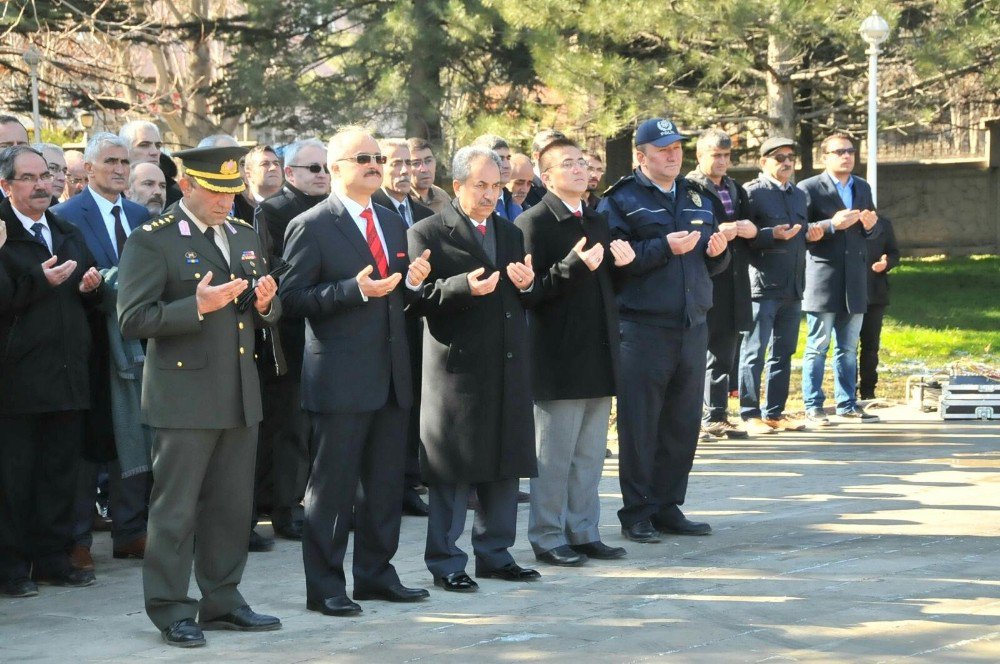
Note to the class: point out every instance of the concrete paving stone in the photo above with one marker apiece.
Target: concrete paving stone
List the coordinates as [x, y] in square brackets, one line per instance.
[862, 543]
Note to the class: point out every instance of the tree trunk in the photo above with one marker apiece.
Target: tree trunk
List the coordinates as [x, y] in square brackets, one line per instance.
[423, 111]
[780, 92]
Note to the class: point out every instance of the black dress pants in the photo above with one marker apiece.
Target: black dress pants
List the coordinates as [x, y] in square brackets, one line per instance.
[870, 342]
[39, 456]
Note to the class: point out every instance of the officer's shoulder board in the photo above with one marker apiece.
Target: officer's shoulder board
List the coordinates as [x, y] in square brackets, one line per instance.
[618, 185]
[236, 220]
[160, 222]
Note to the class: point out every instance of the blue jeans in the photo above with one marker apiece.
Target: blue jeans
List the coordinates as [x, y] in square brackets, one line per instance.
[845, 328]
[775, 323]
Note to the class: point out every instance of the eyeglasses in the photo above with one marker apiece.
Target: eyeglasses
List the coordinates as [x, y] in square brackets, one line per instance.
[56, 169]
[31, 178]
[842, 151]
[365, 158]
[312, 168]
[783, 157]
[569, 164]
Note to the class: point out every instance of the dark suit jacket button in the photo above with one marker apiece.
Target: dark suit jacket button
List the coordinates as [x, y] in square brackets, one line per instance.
[507, 314]
[510, 356]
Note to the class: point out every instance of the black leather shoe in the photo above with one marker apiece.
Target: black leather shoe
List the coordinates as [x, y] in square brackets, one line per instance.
[334, 606]
[413, 505]
[511, 572]
[184, 634]
[642, 532]
[290, 530]
[243, 619]
[599, 550]
[563, 556]
[258, 543]
[19, 588]
[457, 582]
[394, 593]
[682, 526]
[70, 578]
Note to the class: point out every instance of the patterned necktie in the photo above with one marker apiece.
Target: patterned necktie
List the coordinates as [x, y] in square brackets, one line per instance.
[36, 230]
[482, 229]
[375, 244]
[120, 235]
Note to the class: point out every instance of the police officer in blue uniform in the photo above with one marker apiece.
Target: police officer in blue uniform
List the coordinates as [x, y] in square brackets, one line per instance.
[664, 296]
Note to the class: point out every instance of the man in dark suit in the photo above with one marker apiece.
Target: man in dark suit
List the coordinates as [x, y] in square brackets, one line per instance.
[883, 252]
[44, 376]
[476, 421]
[179, 278]
[538, 143]
[574, 357]
[395, 195]
[106, 219]
[285, 431]
[837, 272]
[665, 294]
[348, 256]
[731, 312]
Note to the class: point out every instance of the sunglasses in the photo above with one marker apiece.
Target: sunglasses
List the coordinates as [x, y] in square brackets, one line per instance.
[842, 151]
[312, 168]
[782, 158]
[365, 158]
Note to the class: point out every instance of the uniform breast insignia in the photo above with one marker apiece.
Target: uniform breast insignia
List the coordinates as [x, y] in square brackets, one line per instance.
[191, 258]
[695, 198]
[248, 255]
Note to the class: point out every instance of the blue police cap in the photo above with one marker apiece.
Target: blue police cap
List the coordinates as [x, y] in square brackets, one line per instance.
[658, 131]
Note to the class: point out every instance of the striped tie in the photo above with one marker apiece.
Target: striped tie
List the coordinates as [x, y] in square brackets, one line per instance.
[374, 244]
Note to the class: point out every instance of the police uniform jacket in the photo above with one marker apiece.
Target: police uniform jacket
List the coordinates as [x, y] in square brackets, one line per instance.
[574, 323]
[777, 267]
[44, 333]
[659, 288]
[476, 416]
[837, 265]
[731, 287]
[200, 372]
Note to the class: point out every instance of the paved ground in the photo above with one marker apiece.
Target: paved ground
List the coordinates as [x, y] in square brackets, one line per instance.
[873, 543]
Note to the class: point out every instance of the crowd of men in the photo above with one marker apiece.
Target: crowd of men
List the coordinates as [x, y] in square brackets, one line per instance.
[374, 337]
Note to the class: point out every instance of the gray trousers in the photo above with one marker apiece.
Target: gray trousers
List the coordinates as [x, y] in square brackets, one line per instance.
[493, 530]
[202, 491]
[570, 438]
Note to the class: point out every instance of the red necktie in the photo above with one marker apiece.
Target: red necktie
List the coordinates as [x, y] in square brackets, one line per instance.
[481, 228]
[577, 213]
[374, 244]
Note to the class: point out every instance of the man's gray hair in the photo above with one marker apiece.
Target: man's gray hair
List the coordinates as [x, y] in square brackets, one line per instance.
[461, 163]
[713, 138]
[130, 129]
[491, 141]
[42, 147]
[291, 152]
[99, 142]
[218, 141]
[9, 155]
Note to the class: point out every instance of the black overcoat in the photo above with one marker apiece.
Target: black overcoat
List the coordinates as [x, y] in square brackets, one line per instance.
[476, 419]
[574, 323]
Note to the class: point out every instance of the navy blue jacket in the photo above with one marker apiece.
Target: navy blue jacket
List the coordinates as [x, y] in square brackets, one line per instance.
[837, 265]
[660, 288]
[82, 211]
[777, 267]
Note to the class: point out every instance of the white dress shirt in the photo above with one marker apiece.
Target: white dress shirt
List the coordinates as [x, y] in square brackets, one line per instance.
[105, 206]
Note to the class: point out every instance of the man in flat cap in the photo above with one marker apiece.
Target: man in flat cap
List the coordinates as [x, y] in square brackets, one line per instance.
[664, 296]
[180, 277]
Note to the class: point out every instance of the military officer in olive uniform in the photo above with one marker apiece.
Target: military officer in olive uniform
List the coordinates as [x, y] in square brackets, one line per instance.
[179, 279]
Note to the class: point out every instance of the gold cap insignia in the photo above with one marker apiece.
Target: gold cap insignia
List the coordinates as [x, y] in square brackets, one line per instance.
[229, 167]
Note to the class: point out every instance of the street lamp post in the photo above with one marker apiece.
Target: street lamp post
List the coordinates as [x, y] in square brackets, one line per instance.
[32, 57]
[874, 30]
